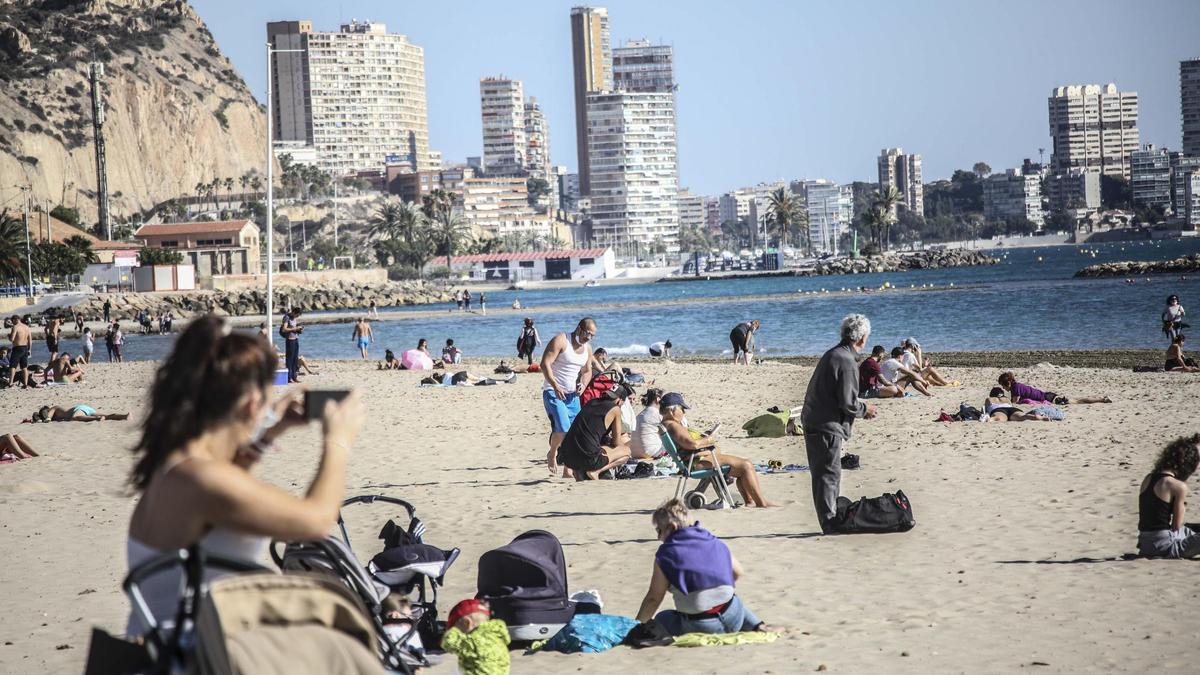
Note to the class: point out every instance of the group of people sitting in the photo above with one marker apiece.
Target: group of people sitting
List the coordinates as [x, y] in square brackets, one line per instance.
[420, 358]
[881, 376]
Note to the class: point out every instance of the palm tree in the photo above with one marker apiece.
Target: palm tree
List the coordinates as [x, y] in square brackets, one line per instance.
[781, 211]
[449, 229]
[884, 204]
[256, 183]
[201, 189]
[83, 246]
[228, 193]
[12, 246]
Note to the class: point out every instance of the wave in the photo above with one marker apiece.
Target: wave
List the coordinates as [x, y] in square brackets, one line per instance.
[631, 350]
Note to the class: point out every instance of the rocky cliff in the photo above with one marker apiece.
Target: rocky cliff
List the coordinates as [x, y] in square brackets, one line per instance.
[176, 111]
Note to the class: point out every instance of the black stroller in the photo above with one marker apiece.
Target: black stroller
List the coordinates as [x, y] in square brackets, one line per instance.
[525, 583]
[405, 566]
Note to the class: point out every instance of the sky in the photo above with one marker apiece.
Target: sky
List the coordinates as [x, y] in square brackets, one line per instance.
[777, 89]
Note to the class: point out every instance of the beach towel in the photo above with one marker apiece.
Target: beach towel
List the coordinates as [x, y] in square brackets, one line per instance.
[415, 359]
[1051, 411]
[749, 637]
[767, 425]
[590, 634]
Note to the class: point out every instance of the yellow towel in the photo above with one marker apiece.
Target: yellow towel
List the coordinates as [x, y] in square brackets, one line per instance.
[716, 639]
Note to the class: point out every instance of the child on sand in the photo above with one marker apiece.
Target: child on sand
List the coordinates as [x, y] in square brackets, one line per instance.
[1162, 501]
[478, 641]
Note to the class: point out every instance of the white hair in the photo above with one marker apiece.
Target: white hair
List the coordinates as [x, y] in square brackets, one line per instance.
[855, 328]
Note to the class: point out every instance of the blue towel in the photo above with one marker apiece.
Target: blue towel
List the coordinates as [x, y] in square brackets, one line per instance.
[590, 634]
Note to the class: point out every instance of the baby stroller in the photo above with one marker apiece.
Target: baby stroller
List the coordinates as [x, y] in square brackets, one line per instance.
[405, 566]
[525, 583]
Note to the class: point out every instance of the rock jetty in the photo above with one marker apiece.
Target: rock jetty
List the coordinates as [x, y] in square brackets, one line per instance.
[902, 262]
[316, 298]
[1133, 268]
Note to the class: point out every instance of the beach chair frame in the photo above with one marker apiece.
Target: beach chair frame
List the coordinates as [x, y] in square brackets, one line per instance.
[715, 476]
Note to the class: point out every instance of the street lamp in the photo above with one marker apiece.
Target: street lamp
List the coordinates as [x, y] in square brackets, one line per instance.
[26, 189]
[271, 194]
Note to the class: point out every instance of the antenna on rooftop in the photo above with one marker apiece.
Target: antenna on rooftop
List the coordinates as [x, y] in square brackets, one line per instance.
[97, 72]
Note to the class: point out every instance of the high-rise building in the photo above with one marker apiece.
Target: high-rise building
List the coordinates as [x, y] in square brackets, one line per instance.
[500, 205]
[357, 95]
[760, 208]
[903, 172]
[691, 210]
[1150, 169]
[641, 66]
[1185, 189]
[1012, 195]
[830, 211]
[592, 61]
[1093, 128]
[712, 214]
[502, 106]
[1189, 105]
[537, 149]
[735, 206]
[632, 164]
[1073, 191]
[568, 191]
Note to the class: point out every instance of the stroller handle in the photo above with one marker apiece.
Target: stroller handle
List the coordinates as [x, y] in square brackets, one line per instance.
[371, 499]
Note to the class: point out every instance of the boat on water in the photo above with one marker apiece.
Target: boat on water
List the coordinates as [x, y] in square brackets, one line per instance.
[591, 284]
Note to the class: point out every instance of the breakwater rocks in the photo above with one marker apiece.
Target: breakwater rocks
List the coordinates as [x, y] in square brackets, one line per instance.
[316, 298]
[903, 262]
[1132, 268]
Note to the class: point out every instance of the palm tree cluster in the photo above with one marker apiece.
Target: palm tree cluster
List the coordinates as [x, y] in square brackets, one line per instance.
[213, 189]
[787, 214]
[881, 215]
[51, 260]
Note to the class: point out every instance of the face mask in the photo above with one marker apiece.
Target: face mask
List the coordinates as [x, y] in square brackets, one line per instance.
[267, 420]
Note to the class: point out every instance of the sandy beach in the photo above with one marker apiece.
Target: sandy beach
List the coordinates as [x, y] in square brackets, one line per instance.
[985, 583]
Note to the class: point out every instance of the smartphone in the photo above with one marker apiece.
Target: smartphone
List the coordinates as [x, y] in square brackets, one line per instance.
[315, 400]
[713, 430]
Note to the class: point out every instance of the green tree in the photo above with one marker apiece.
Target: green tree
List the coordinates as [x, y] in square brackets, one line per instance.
[12, 246]
[159, 256]
[449, 229]
[782, 209]
[83, 246]
[67, 215]
[981, 169]
[538, 188]
[884, 205]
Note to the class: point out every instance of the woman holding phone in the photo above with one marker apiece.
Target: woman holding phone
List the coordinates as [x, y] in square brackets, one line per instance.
[211, 417]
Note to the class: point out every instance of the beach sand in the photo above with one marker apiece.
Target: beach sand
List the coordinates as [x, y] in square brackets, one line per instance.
[965, 591]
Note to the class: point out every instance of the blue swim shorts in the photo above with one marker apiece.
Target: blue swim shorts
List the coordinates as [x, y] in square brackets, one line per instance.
[560, 412]
[363, 342]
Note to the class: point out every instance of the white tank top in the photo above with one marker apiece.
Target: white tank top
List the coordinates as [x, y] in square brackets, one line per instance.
[566, 367]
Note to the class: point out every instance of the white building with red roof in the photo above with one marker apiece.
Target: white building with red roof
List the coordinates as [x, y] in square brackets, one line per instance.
[581, 264]
[223, 247]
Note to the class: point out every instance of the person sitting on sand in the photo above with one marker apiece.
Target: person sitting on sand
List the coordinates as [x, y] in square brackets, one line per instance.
[600, 361]
[78, 413]
[596, 442]
[1176, 361]
[1162, 502]
[871, 382]
[1023, 393]
[450, 353]
[893, 370]
[915, 360]
[998, 408]
[389, 362]
[646, 440]
[63, 370]
[13, 447]
[700, 572]
[661, 350]
[740, 468]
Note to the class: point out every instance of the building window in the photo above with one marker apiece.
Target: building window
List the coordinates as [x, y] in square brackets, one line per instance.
[170, 243]
[587, 261]
[527, 264]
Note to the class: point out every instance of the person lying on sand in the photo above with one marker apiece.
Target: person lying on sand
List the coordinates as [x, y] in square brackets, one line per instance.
[701, 572]
[998, 408]
[14, 447]
[1026, 394]
[595, 442]
[742, 469]
[1176, 361]
[79, 413]
[1162, 502]
[464, 378]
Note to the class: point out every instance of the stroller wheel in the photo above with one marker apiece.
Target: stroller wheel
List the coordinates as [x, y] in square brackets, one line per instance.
[694, 500]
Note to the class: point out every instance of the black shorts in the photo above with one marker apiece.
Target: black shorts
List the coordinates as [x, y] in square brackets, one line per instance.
[19, 358]
[740, 340]
[52, 344]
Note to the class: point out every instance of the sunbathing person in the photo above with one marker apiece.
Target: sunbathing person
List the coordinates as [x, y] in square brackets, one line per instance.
[893, 370]
[78, 413]
[700, 572]
[914, 359]
[1176, 361]
[467, 379]
[1024, 393]
[309, 367]
[63, 370]
[1162, 502]
[871, 382]
[14, 447]
[595, 442]
[998, 408]
[389, 362]
[742, 469]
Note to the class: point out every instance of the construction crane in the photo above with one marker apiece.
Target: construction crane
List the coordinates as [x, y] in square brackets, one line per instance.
[97, 72]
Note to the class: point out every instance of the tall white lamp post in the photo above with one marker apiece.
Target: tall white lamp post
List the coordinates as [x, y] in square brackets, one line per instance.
[271, 194]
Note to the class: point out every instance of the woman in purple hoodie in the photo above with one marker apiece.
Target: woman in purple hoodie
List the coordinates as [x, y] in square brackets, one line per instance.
[699, 571]
[1023, 393]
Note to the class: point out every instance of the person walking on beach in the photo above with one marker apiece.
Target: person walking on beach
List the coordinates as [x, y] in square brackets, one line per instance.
[458, 299]
[528, 341]
[362, 336]
[1172, 317]
[52, 332]
[78, 321]
[22, 340]
[467, 300]
[89, 345]
[290, 331]
[118, 340]
[566, 367]
[831, 405]
[107, 310]
[373, 312]
[483, 304]
[742, 339]
[108, 342]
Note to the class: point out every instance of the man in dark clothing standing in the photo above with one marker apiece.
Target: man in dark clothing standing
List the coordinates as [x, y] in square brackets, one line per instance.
[290, 329]
[831, 405]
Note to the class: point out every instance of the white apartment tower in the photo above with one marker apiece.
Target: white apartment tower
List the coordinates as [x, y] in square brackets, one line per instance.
[1093, 128]
[1013, 194]
[537, 148]
[356, 96]
[632, 166]
[502, 107]
[903, 172]
[830, 211]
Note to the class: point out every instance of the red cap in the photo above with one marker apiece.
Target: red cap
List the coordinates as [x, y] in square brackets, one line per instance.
[464, 608]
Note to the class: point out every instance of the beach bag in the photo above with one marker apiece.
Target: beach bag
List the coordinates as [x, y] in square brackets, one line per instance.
[632, 377]
[768, 425]
[886, 513]
[628, 417]
[968, 413]
[599, 386]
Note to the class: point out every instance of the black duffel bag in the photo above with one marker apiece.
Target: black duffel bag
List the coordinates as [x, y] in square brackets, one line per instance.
[886, 513]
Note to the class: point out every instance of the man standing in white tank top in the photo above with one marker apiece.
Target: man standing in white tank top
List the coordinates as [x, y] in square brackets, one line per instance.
[567, 368]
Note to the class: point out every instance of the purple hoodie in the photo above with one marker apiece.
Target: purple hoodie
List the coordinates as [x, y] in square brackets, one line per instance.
[1028, 393]
[698, 567]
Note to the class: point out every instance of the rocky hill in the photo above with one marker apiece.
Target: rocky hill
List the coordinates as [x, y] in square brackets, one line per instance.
[177, 112]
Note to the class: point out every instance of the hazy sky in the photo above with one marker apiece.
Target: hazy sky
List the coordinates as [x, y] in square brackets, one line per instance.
[783, 89]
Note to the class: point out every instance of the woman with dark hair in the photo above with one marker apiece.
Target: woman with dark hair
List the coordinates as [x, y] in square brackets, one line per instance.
[998, 408]
[646, 441]
[1172, 317]
[1024, 393]
[1176, 362]
[1162, 500]
[208, 402]
[528, 341]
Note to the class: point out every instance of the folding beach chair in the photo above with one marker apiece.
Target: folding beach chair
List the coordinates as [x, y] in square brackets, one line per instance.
[715, 477]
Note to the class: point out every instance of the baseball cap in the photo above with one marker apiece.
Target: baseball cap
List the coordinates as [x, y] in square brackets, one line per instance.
[674, 399]
[464, 608]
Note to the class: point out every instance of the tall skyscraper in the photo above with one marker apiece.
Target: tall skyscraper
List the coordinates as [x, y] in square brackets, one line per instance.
[537, 149]
[502, 106]
[632, 164]
[592, 60]
[1093, 128]
[1189, 105]
[830, 211]
[903, 172]
[641, 66]
[357, 95]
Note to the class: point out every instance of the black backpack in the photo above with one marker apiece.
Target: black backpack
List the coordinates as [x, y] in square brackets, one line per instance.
[886, 513]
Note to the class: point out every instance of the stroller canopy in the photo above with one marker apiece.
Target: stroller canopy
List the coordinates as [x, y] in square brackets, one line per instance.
[532, 567]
